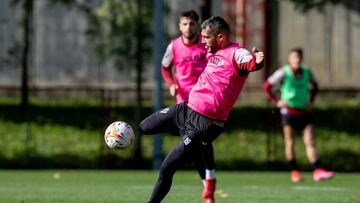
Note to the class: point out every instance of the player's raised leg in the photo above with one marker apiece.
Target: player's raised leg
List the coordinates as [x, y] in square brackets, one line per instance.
[319, 173]
[161, 121]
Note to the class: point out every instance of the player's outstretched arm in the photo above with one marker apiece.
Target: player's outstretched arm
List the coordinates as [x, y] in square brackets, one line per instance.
[259, 58]
[245, 62]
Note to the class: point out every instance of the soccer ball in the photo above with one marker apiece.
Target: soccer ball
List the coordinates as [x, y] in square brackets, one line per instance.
[119, 135]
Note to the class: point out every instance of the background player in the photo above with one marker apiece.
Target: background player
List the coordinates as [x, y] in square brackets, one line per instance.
[297, 93]
[202, 119]
[187, 55]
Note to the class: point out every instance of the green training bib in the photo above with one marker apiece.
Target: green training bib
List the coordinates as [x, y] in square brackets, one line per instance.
[296, 91]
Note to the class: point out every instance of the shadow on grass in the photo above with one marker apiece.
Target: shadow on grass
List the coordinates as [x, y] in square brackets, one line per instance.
[340, 160]
[71, 161]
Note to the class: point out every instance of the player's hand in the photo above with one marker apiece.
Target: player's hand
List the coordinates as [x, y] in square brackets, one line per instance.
[259, 55]
[281, 104]
[173, 89]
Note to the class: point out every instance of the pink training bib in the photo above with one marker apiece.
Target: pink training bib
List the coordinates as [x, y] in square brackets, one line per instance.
[189, 62]
[219, 85]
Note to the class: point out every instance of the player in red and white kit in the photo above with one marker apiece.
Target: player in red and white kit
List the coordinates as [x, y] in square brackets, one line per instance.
[203, 118]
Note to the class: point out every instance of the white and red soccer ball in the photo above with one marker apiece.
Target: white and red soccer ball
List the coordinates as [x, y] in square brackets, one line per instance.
[119, 135]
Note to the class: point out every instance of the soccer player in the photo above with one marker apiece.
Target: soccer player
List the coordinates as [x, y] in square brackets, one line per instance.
[298, 88]
[202, 119]
[187, 54]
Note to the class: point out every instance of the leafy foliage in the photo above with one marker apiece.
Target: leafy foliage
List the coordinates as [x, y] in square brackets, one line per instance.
[307, 5]
[113, 31]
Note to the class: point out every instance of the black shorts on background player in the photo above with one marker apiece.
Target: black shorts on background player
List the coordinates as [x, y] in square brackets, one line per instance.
[298, 122]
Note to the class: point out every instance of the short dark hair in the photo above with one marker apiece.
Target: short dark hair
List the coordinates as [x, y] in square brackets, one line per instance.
[298, 50]
[217, 24]
[190, 14]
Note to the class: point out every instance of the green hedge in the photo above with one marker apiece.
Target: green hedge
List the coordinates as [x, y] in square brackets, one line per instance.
[69, 135]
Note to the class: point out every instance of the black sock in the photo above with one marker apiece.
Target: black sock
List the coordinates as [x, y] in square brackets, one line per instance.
[293, 164]
[316, 164]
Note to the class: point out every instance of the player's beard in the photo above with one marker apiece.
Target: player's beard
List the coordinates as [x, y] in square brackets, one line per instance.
[208, 49]
[211, 49]
[190, 36]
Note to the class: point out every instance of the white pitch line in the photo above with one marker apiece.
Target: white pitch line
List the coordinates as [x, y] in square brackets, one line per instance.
[317, 188]
[300, 188]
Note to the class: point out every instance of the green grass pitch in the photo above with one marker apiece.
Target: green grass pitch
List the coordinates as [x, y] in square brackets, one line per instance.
[135, 187]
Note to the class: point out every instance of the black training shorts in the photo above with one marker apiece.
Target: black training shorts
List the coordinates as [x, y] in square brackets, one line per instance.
[298, 122]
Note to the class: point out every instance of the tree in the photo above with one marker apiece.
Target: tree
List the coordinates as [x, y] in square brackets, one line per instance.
[26, 25]
[205, 9]
[307, 5]
[121, 33]
[26, 21]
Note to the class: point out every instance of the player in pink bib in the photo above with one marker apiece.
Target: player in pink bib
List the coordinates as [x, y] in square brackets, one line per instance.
[187, 54]
[219, 86]
[210, 102]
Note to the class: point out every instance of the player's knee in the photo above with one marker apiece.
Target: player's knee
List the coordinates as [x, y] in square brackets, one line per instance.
[208, 148]
[310, 143]
[144, 127]
[167, 170]
[171, 163]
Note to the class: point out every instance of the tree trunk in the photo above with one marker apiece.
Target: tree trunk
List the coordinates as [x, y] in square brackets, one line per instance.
[205, 9]
[139, 68]
[26, 23]
[27, 6]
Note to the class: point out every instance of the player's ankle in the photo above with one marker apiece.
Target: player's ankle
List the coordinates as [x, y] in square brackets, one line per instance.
[210, 174]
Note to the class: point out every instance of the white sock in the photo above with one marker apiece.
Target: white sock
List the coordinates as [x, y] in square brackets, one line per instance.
[210, 174]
